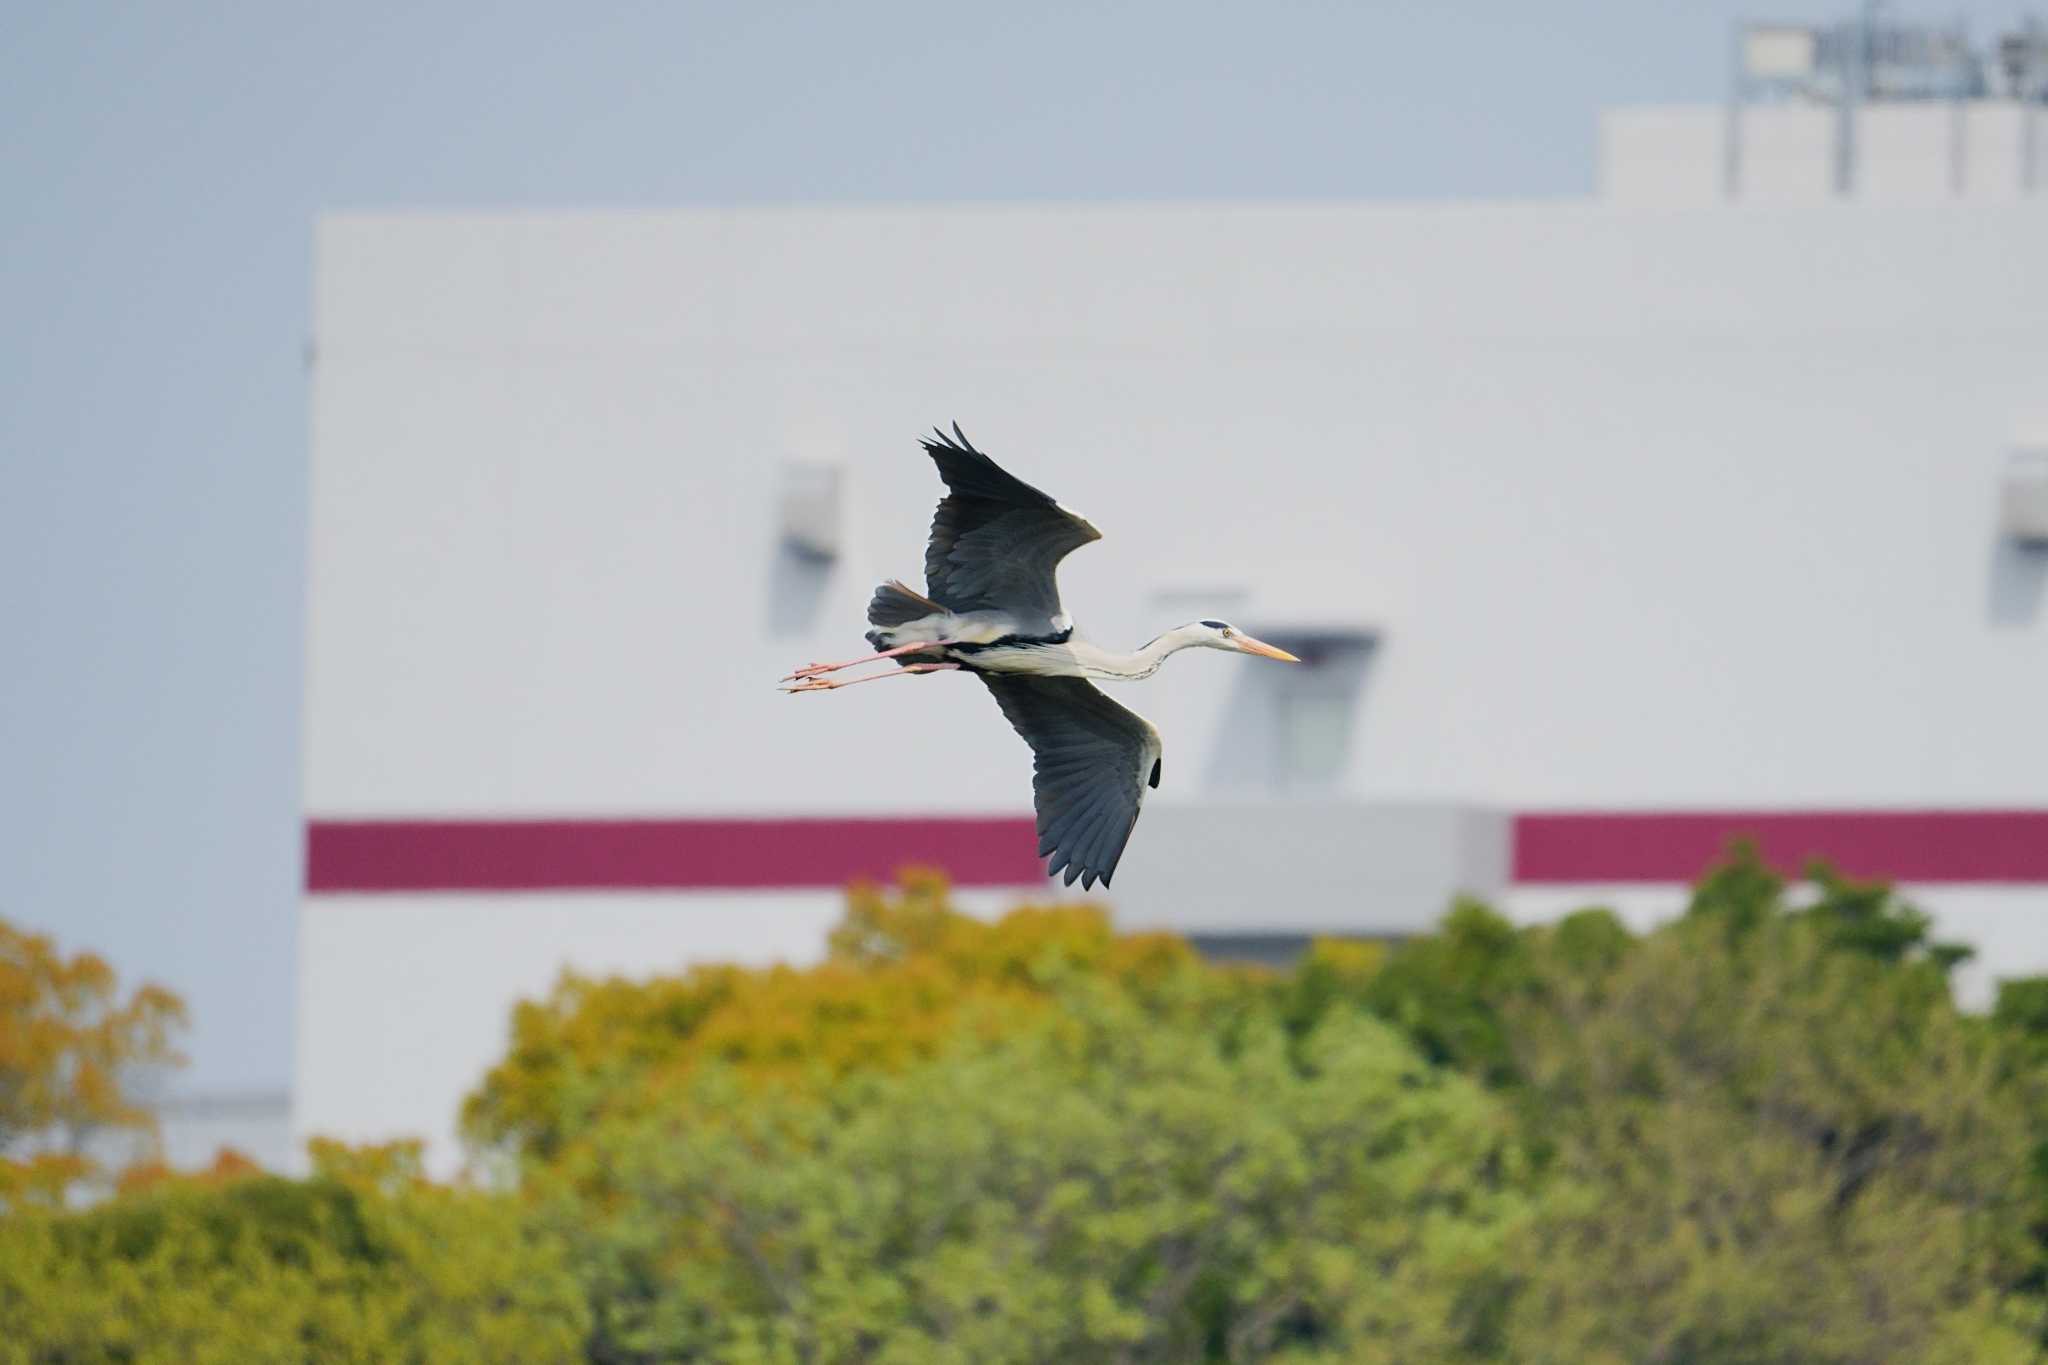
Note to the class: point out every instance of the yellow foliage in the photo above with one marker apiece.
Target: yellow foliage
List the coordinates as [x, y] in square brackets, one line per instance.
[390, 1168]
[904, 975]
[41, 1180]
[67, 1041]
[228, 1166]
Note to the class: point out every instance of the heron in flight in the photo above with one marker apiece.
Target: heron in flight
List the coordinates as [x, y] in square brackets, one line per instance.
[991, 607]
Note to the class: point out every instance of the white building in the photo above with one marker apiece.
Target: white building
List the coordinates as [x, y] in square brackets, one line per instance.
[1610, 528]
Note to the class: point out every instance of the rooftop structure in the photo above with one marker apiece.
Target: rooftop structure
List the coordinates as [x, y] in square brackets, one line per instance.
[1865, 109]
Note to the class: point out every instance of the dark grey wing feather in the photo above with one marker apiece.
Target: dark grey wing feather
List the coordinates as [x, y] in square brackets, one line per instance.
[1092, 762]
[996, 541]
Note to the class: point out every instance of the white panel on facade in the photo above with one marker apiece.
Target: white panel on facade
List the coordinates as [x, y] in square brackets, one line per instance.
[1904, 151]
[1786, 153]
[1317, 866]
[2004, 924]
[1996, 158]
[1663, 155]
[1909, 150]
[405, 1001]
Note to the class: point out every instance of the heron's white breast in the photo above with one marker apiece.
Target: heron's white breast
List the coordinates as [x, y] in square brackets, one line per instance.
[1046, 661]
[976, 628]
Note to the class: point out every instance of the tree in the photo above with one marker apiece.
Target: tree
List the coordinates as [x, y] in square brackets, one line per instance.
[1761, 1134]
[363, 1262]
[1772, 1138]
[1446, 990]
[71, 1045]
[1108, 1184]
[905, 976]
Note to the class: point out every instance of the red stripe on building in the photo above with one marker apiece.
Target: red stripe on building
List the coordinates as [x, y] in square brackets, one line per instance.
[1676, 846]
[1556, 848]
[663, 855]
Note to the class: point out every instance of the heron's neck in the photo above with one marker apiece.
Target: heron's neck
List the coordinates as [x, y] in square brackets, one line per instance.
[1141, 662]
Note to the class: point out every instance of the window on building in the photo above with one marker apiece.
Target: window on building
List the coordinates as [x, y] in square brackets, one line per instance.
[1271, 950]
[1284, 729]
[1315, 735]
[1298, 723]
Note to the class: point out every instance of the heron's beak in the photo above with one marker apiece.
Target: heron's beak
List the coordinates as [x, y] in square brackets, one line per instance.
[1251, 646]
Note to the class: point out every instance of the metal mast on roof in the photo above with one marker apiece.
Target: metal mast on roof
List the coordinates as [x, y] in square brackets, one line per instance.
[1870, 60]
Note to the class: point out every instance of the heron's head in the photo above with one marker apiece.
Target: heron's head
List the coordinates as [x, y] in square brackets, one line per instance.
[1223, 635]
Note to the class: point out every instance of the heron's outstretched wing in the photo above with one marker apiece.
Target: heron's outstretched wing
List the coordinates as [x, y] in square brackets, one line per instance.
[1094, 760]
[996, 540]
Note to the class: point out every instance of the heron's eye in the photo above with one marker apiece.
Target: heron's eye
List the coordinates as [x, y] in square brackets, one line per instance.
[1227, 632]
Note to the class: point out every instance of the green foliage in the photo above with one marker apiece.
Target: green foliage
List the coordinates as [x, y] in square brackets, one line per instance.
[266, 1269]
[1461, 992]
[1104, 1186]
[1761, 1134]
[1860, 917]
[1446, 990]
[1776, 1146]
[2022, 1006]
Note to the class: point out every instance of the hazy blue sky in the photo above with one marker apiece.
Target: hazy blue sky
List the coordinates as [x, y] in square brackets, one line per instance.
[161, 166]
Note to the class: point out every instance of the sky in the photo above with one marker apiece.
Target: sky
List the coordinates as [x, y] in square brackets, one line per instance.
[161, 169]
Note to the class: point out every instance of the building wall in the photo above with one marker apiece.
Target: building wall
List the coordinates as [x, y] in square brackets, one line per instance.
[1616, 508]
[405, 1001]
[1919, 151]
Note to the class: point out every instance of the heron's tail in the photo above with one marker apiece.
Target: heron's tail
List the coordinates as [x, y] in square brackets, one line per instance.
[895, 605]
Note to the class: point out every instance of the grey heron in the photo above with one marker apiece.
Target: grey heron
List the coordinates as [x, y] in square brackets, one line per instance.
[991, 607]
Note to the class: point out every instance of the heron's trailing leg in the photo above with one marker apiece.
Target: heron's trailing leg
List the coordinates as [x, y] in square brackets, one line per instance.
[827, 684]
[813, 670]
